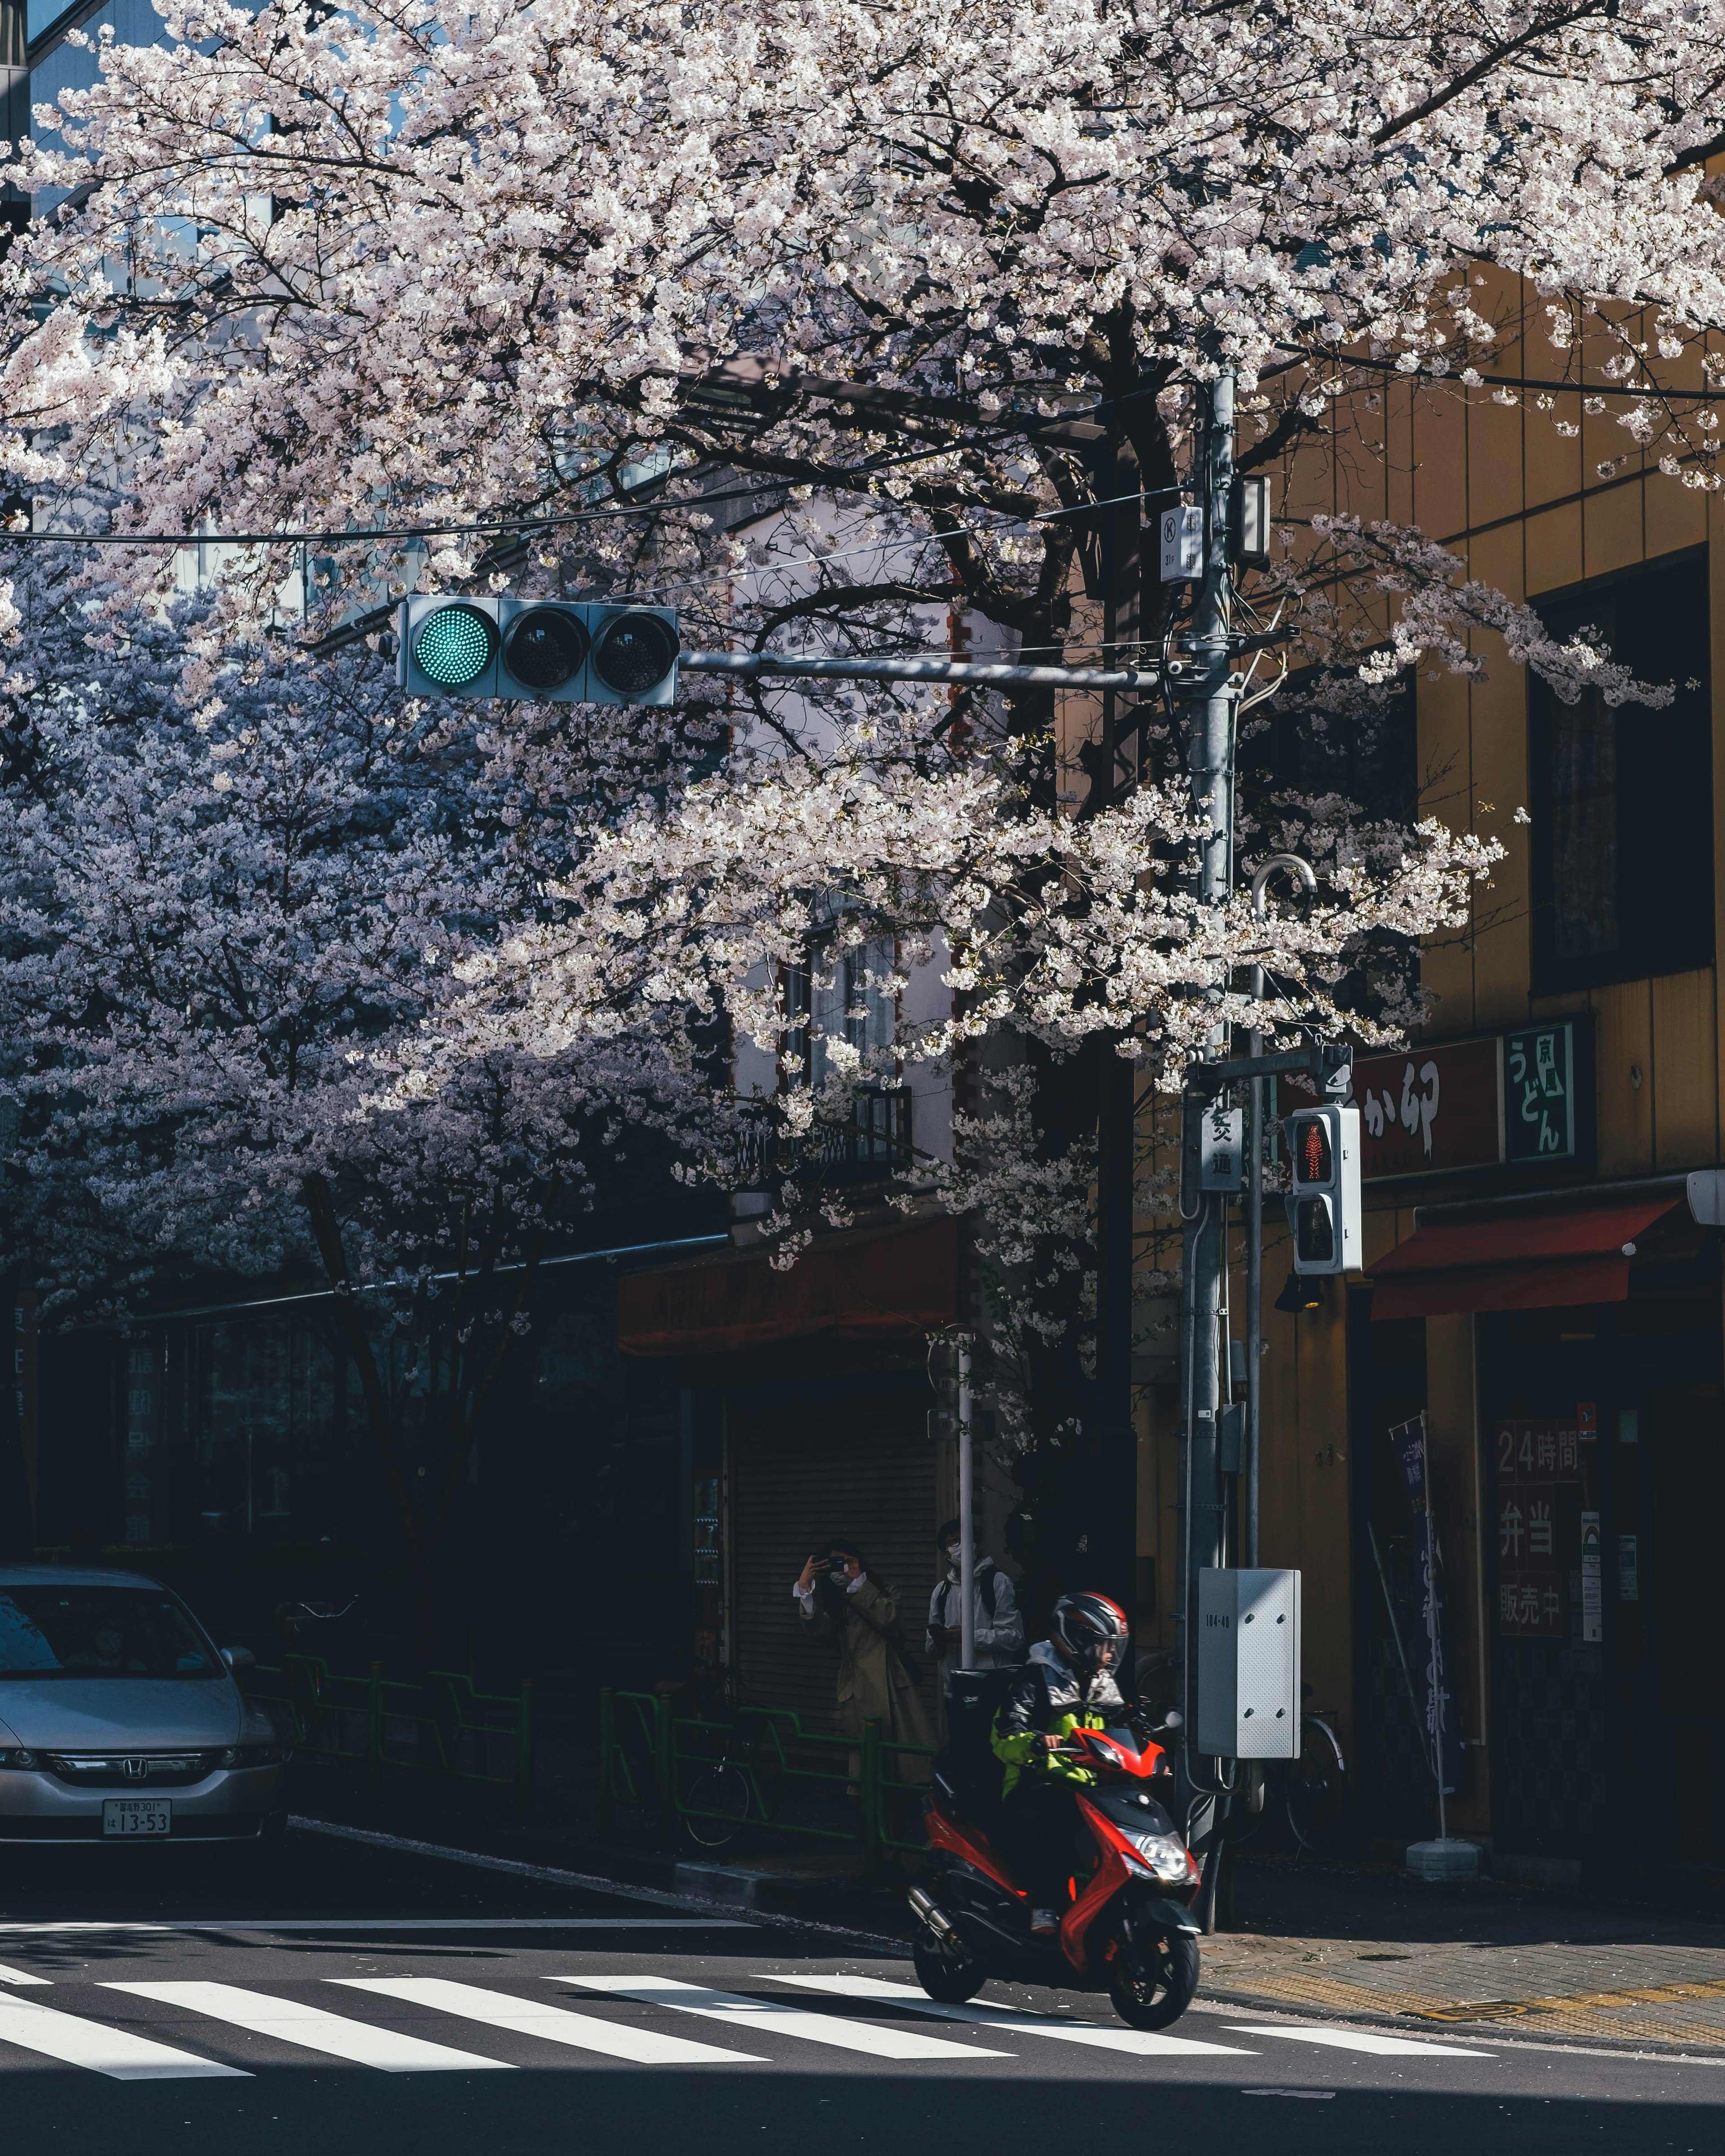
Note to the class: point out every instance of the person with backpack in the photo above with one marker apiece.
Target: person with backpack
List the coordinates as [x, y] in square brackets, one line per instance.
[999, 1624]
[1067, 1684]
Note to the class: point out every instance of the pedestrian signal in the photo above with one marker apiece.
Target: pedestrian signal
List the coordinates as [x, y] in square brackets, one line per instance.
[1324, 1207]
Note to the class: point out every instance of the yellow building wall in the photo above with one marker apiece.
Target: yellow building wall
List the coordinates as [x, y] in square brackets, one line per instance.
[1523, 505]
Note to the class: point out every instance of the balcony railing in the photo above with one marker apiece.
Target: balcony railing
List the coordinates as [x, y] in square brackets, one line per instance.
[874, 1144]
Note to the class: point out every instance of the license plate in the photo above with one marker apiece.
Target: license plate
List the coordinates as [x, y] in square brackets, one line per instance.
[137, 1815]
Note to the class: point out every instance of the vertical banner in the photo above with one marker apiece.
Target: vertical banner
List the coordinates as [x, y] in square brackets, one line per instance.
[1408, 1438]
[1593, 1613]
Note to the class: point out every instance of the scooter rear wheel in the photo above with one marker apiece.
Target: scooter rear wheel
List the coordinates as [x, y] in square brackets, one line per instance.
[950, 1982]
[1154, 1979]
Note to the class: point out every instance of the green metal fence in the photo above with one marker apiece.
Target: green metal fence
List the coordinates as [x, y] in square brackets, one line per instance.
[440, 1727]
[668, 1767]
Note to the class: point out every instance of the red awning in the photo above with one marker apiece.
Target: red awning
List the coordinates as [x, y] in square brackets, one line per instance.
[892, 1284]
[1531, 1262]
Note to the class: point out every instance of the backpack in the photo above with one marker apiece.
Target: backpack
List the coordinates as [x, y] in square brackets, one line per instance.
[968, 1767]
[989, 1582]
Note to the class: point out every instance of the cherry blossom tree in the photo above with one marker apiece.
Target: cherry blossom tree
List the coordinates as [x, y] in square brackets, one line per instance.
[925, 299]
[236, 886]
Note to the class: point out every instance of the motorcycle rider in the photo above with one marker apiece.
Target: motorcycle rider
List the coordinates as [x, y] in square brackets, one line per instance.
[1066, 1685]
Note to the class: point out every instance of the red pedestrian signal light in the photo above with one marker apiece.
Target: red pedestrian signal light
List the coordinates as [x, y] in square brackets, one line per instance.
[1315, 1157]
[1324, 1211]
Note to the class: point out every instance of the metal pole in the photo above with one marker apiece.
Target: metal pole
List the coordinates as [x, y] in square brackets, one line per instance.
[967, 1518]
[1210, 709]
[1110, 1436]
[1255, 1205]
[919, 670]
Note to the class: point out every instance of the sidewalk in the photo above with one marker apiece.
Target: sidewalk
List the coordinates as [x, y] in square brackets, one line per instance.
[1486, 1958]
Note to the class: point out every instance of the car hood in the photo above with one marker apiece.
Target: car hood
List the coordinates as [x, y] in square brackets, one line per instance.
[143, 1714]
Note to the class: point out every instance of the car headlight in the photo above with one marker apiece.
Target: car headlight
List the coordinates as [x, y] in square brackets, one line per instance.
[1165, 1854]
[19, 1757]
[252, 1755]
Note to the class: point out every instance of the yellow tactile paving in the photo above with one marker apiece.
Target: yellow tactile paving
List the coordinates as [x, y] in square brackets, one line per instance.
[1597, 2014]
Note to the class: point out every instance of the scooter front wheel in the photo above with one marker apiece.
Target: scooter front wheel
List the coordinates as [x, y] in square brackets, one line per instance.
[950, 1981]
[1153, 1979]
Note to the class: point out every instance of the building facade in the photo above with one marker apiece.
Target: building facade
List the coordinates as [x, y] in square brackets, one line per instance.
[1538, 1285]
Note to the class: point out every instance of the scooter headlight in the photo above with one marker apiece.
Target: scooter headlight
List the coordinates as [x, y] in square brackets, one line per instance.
[1165, 1855]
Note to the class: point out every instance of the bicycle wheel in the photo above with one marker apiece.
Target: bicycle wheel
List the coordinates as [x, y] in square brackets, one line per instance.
[1318, 1789]
[715, 1804]
[1251, 1803]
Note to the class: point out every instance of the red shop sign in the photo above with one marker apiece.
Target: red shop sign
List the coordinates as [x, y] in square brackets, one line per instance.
[1425, 1111]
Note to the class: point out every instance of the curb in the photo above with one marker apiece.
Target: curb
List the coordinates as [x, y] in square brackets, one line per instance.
[596, 1883]
[1522, 2033]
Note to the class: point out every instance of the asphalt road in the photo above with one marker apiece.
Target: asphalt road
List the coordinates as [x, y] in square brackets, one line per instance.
[363, 1999]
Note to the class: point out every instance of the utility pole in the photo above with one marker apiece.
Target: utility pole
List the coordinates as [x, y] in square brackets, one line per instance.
[1112, 1438]
[1211, 700]
[1210, 707]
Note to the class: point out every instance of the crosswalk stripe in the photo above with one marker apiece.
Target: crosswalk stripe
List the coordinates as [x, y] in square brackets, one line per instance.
[762, 2016]
[309, 2027]
[1364, 2039]
[1139, 2043]
[116, 2052]
[365, 1924]
[556, 2025]
[18, 1976]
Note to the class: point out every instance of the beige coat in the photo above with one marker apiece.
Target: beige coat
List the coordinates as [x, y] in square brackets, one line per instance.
[874, 1684]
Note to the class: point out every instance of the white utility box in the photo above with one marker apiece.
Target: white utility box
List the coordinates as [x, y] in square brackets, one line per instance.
[1249, 1664]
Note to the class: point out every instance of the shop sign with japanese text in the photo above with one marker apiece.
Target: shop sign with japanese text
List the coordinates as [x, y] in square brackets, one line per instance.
[1429, 1110]
[1539, 1093]
[1534, 1460]
[1462, 1104]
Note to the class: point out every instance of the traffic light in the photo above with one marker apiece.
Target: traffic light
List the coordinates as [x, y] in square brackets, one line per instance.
[539, 651]
[1323, 1211]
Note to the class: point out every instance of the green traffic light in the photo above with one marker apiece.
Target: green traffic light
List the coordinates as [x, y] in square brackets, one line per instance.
[454, 645]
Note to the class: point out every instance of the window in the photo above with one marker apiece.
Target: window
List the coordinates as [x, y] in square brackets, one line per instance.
[1622, 800]
[49, 1630]
[834, 1000]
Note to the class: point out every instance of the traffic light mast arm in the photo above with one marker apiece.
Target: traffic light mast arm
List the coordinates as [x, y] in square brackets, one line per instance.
[751, 663]
[1329, 1063]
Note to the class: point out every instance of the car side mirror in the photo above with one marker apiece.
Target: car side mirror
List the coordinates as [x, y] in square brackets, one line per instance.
[238, 1659]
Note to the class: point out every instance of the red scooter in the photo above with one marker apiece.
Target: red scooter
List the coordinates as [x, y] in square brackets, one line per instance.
[1129, 1929]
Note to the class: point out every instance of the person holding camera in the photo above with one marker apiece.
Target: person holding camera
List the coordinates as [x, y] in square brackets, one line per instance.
[876, 1681]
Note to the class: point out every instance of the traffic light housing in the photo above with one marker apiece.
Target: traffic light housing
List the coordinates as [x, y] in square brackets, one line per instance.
[538, 651]
[1323, 1204]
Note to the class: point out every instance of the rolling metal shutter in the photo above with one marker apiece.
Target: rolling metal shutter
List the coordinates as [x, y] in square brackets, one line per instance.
[808, 1461]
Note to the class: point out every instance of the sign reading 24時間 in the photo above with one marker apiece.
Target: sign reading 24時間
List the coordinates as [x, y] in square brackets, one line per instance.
[1460, 1104]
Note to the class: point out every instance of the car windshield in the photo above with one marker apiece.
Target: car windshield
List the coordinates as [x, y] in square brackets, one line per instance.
[50, 1631]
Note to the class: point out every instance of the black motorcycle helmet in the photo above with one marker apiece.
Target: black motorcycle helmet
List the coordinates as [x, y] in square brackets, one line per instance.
[1084, 1625]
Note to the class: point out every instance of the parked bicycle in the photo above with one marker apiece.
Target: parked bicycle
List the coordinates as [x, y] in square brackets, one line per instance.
[1309, 1793]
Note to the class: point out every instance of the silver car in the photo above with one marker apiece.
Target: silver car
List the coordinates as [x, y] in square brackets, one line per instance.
[120, 1723]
